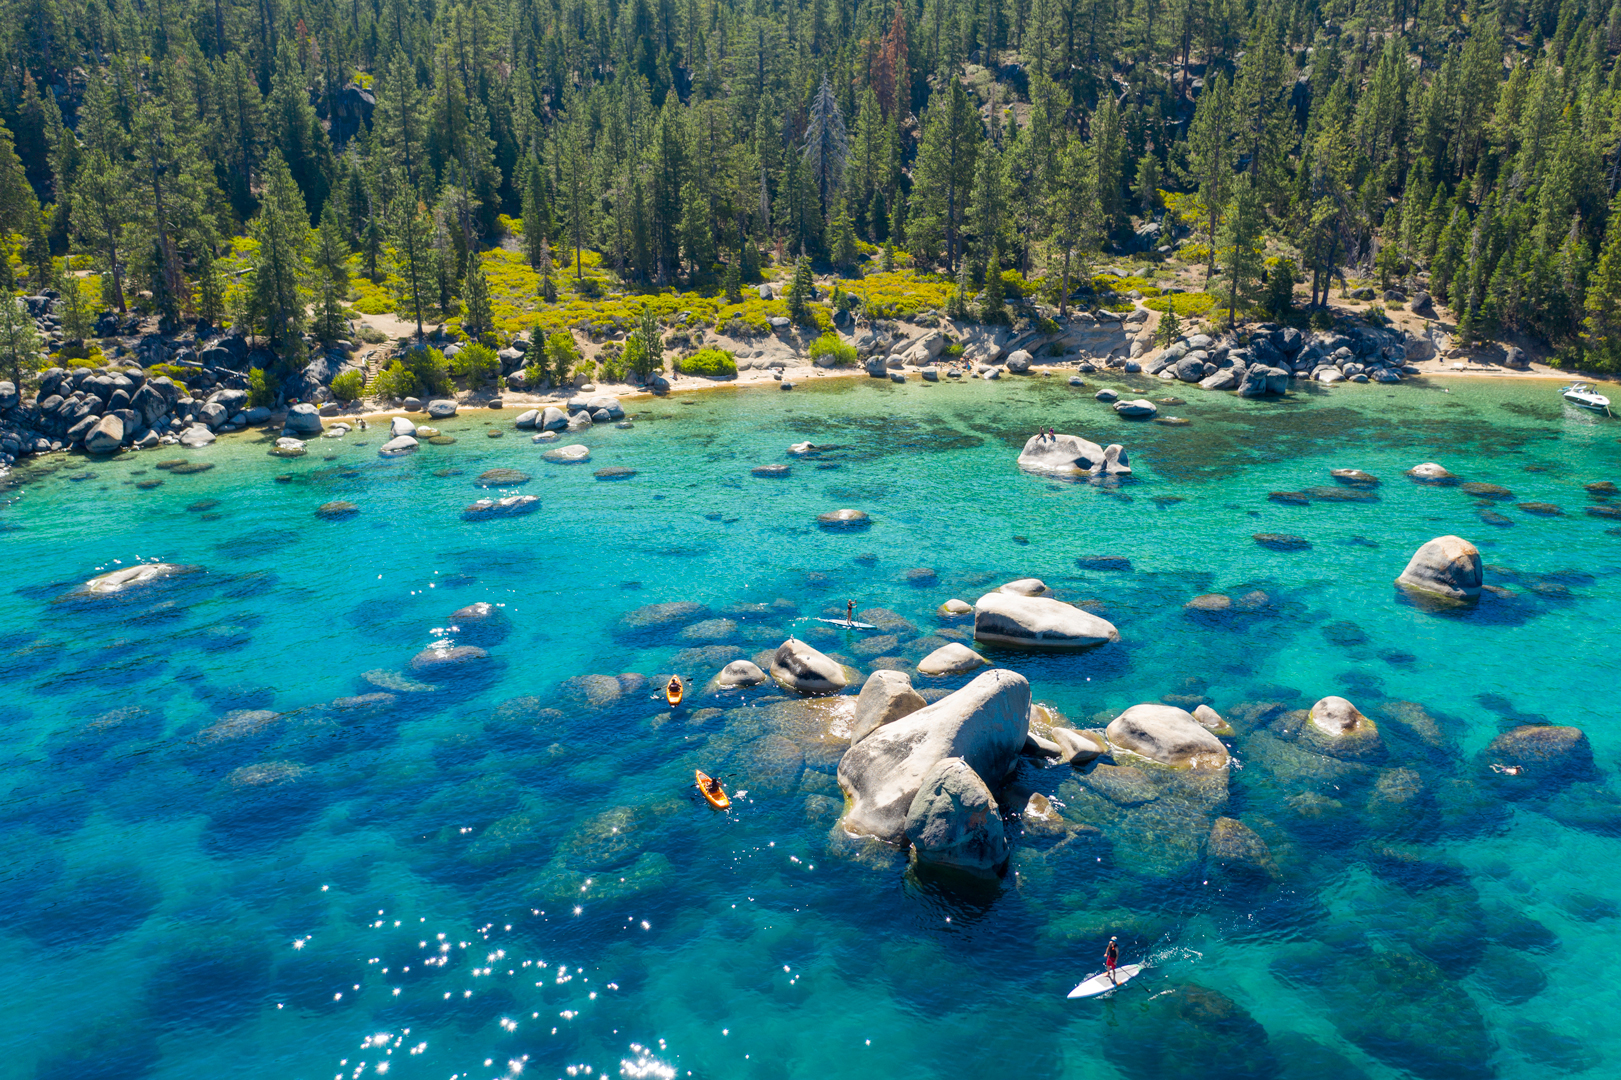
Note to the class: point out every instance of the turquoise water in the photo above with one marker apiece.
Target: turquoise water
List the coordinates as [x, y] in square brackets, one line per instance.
[509, 875]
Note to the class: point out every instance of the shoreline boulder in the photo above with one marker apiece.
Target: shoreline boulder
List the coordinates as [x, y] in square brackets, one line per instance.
[1448, 567]
[953, 658]
[953, 821]
[798, 667]
[1168, 735]
[984, 724]
[1038, 622]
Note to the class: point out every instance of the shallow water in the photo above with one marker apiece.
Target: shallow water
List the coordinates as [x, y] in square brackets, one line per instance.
[447, 886]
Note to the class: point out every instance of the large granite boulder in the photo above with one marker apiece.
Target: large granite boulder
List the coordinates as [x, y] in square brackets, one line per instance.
[1025, 586]
[984, 724]
[1337, 729]
[1069, 455]
[398, 446]
[196, 437]
[1236, 848]
[885, 697]
[444, 659]
[1038, 622]
[552, 419]
[442, 408]
[797, 666]
[952, 658]
[302, 419]
[401, 425]
[1168, 735]
[573, 454]
[954, 822]
[106, 437]
[1079, 747]
[1447, 567]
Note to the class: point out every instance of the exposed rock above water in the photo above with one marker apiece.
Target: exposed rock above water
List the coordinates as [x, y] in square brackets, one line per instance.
[984, 724]
[1167, 735]
[954, 821]
[1038, 622]
[1071, 455]
[1448, 567]
[886, 696]
[799, 667]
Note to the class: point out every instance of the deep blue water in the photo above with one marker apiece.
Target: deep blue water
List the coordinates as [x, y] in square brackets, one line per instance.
[210, 868]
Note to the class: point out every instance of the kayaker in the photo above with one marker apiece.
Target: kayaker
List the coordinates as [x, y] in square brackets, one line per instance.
[1111, 957]
[713, 786]
[675, 685]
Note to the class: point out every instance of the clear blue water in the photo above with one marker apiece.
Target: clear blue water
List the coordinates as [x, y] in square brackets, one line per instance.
[458, 884]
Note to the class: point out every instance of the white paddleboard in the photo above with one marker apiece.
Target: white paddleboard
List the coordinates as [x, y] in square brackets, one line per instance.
[1100, 984]
[849, 625]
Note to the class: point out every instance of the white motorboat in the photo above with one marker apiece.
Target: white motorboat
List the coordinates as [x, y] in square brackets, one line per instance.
[1585, 397]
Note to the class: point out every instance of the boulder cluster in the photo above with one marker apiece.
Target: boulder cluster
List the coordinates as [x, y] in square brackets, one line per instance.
[1273, 355]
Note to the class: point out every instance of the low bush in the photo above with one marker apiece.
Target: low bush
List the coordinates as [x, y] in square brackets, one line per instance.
[173, 371]
[349, 386]
[713, 362]
[830, 345]
[395, 381]
[477, 364]
[262, 387]
[1192, 304]
[421, 372]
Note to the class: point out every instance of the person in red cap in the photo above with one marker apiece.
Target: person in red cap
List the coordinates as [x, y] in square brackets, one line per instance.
[1111, 957]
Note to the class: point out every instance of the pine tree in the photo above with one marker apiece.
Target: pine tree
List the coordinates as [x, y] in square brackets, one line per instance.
[478, 318]
[993, 301]
[1210, 158]
[19, 340]
[649, 358]
[827, 145]
[536, 218]
[944, 172]
[331, 272]
[573, 169]
[697, 235]
[733, 284]
[1239, 244]
[280, 268]
[846, 254]
[413, 251]
[800, 292]
[1601, 329]
[543, 267]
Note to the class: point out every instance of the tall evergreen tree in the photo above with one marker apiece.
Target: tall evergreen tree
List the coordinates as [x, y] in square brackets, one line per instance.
[280, 265]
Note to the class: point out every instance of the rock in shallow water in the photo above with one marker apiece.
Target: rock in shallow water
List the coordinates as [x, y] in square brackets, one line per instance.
[885, 697]
[132, 579]
[984, 724]
[952, 659]
[334, 511]
[510, 506]
[954, 822]
[1448, 567]
[843, 520]
[1168, 735]
[573, 454]
[1038, 622]
[796, 666]
[740, 673]
[1071, 455]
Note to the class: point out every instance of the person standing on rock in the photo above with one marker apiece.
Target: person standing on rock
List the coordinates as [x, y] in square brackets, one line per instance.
[1111, 957]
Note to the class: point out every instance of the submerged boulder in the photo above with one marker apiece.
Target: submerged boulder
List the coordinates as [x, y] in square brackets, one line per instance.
[510, 506]
[1168, 735]
[1337, 729]
[1070, 455]
[1431, 473]
[1548, 753]
[1038, 622]
[1448, 567]
[740, 673]
[954, 821]
[132, 579]
[796, 666]
[885, 697]
[984, 724]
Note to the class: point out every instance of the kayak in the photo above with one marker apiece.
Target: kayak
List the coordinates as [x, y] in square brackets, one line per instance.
[716, 798]
[673, 694]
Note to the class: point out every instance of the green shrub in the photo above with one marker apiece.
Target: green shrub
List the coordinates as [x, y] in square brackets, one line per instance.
[370, 334]
[174, 371]
[395, 381]
[1193, 304]
[1321, 319]
[954, 349]
[262, 387]
[612, 367]
[431, 370]
[711, 362]
[478, 364]
[349, 386]
[843, 353]
[562, 356]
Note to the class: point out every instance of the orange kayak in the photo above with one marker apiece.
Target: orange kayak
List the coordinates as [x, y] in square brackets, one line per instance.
[673, 694]
[711, 790]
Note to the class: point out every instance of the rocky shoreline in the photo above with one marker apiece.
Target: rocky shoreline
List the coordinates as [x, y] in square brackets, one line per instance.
[126, 405]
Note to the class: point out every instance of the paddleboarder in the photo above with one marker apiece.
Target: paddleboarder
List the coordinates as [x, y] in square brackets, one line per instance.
[1111, 957]
[850, 612]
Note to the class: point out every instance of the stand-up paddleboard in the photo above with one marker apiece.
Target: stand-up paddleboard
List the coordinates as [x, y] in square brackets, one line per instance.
[848, 625]
[1100, 984]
